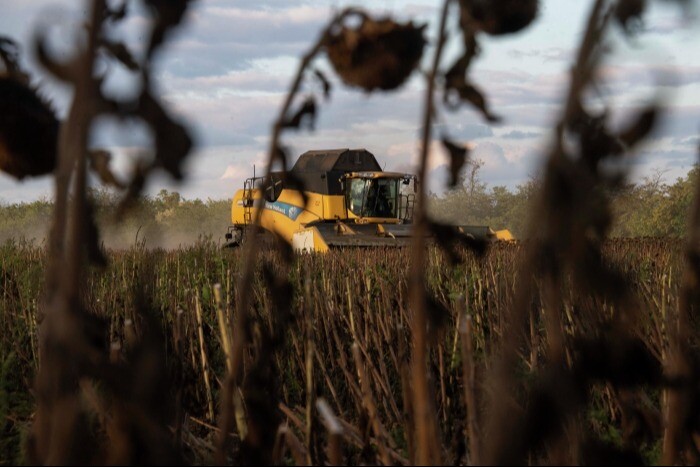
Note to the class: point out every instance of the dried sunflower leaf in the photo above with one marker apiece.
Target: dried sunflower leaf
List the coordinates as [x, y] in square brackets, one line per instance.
[28, 131]
[470, 93]
[117, 14]
[119, 51]
[456, 76]
[305, 114]
[92, 236]
[290, 180]
[596, 140]
[449, 237]
[596, 451]
[133, 190]
[458, 157]
[66, 72]
[280, 155]
[438, 315]
[641, 127]
[619, 360]
[295, 183]
[173, 142]
[321, 77]
[285, 249]
[168, 13]
[99, 163]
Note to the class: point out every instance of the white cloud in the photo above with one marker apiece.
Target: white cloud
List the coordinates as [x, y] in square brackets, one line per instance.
[227, 71]
[233, 172]
[254, 19]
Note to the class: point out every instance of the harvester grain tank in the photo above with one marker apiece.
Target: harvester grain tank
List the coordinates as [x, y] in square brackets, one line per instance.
[350, 202]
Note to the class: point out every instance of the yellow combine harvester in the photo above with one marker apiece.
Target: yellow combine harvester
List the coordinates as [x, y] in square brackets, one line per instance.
[351, 202]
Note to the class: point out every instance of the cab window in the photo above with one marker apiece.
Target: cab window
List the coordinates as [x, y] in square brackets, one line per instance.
[355, 195]
[372, 197]
[381, 198]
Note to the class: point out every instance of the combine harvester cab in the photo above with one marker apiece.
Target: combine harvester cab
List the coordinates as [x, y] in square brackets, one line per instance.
[351, 202]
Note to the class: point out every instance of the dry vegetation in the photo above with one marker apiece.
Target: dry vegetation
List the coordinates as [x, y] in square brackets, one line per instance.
[564, 349]
[348, 340]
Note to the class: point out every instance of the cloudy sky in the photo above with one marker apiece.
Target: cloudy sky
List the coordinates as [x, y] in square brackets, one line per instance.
[226, 71]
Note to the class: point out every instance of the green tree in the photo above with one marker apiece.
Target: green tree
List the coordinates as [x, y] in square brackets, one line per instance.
[473, 203]
[676, 207]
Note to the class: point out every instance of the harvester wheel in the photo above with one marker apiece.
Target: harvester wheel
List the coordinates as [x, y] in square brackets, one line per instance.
[234, 237]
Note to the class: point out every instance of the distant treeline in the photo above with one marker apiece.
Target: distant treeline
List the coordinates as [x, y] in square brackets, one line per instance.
[649, 208]
[165, 220]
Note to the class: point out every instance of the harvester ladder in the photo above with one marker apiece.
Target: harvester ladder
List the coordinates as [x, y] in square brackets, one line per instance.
[248, 201]
[408, 203]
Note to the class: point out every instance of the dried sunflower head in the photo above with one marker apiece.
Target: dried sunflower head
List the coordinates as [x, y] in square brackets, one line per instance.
[629, 13]
[499, 17]
[28, 131]
[378, 54]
